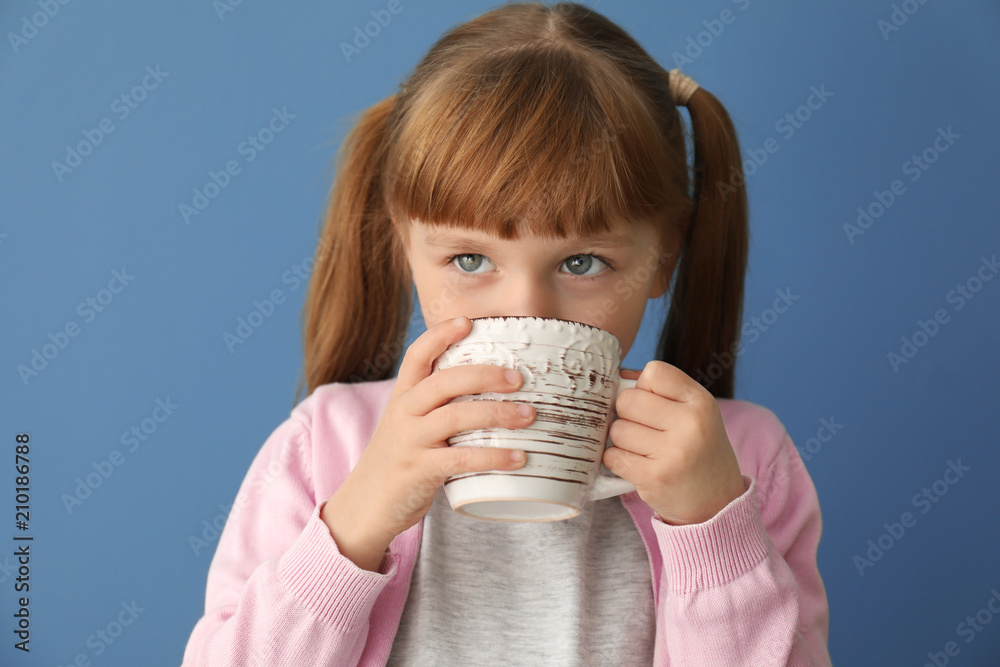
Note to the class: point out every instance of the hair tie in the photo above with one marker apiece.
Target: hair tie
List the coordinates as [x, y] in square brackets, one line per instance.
[681, 87]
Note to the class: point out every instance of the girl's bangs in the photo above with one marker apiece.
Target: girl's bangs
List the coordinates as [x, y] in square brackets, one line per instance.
[545, 137]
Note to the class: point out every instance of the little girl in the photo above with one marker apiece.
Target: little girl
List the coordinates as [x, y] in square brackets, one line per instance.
[533, 164]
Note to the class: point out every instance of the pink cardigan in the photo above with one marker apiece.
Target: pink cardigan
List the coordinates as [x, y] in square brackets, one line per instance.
[741, 589]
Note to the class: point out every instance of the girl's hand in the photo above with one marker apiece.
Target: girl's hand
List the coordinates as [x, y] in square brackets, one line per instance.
[408, 458]
[669, 440]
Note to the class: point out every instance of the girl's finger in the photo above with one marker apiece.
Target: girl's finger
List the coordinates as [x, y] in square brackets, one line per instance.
[451, 461]
[448, 420]
[627, 465]
[649, 409]
[418, 361]
[447, 383]
[670, 382]
[630, 374]
[635, 438]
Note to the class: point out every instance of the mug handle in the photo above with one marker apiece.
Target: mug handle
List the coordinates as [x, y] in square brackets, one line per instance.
[606, 486]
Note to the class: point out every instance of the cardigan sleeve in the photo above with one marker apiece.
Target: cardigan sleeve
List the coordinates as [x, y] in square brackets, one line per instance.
[744, 588]
[279, 592]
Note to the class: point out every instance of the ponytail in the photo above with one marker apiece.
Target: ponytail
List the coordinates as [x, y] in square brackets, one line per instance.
[358, 303]
[701, 334]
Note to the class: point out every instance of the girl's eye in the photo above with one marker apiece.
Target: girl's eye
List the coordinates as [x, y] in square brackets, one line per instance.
[467, 264]
[580, 265]
[583, 266]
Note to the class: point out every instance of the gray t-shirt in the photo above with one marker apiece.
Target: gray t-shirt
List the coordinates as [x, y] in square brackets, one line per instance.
[573, 592]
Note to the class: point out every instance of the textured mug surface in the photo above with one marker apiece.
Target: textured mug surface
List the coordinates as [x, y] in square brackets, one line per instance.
[571, 377]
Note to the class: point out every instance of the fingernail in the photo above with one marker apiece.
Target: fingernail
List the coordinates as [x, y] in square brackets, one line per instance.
[513, 377]
[459, 322]
[517, 456]
[523, 410]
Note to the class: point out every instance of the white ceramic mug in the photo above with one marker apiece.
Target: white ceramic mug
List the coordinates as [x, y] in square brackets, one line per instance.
[571, 377]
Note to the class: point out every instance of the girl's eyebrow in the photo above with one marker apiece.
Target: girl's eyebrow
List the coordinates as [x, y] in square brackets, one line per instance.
[606, 240]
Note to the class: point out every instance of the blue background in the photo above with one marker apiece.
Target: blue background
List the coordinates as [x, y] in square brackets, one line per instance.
[161, 337]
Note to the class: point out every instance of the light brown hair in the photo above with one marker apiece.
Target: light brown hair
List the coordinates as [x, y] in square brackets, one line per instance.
[550, 119]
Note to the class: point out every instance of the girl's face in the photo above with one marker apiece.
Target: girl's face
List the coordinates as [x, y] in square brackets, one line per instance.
[604, 282]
